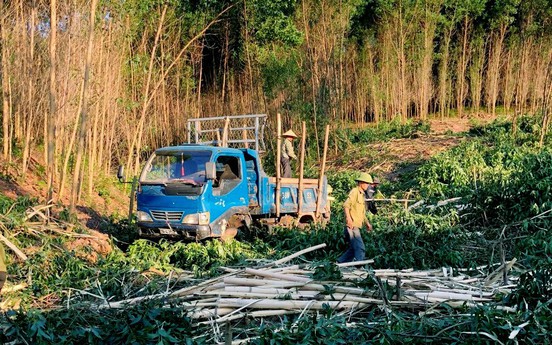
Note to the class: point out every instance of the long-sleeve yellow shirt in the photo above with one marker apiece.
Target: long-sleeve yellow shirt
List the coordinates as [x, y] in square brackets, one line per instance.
[356, 206]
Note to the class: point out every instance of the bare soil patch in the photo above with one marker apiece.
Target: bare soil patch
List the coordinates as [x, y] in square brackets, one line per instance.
[396, 157]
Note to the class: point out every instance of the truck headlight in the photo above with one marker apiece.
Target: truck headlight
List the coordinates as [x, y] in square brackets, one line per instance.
[202, 218]
[143, 216]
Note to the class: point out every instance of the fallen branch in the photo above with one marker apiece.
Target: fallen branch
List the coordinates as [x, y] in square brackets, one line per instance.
[13, 247]
[38, 211]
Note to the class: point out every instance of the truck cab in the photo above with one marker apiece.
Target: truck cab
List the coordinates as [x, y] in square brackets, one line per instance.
[176, 197]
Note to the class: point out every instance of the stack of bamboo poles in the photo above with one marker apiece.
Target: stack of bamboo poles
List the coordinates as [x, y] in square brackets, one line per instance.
[278, 289]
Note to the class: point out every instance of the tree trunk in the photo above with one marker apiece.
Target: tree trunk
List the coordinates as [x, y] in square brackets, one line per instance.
[30, 90]
[476, 71]
[5, 96]
[52, 118]
[462, 65]
[85, 106]
[493, 71]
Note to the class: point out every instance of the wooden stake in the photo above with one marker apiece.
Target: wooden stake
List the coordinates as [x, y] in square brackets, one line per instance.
[225, 132]
[301, 171]
[322, 170]
[278, 173]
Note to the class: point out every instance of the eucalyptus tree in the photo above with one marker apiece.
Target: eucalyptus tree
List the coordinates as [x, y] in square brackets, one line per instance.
[501, 15]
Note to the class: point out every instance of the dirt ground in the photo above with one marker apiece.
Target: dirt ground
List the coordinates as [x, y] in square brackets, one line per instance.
[91, 211]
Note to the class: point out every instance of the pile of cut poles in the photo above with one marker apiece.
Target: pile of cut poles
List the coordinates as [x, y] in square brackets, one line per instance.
[278, 289]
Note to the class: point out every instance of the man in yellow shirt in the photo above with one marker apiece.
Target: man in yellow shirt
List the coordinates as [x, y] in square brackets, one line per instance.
[355, 218]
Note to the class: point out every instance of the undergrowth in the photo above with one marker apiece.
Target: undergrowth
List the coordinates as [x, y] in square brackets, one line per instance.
[501, 184]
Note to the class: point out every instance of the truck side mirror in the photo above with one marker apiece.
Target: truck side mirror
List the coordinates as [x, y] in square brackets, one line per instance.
[121, 173]
[210, 171]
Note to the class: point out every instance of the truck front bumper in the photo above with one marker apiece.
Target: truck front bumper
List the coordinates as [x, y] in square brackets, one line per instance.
[176, 231]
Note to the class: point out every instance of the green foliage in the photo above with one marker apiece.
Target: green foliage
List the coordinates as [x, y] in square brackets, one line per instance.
[419, 241]
[503, 178]
[534, 287]
[14, 210]
[273, 22]
[328, 271]
[147, 323]
[385, 131]
[120, 229]
[286, 241]
[342, 182]
[206, 257]
[280, 71]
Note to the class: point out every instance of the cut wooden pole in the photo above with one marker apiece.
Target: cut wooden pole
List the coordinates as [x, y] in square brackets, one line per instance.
[225, 132]
[493, 277]
[322, 171]
[278, 157]
[293, 256]
[260, 282]
[285, 277]
[355, 263]
[253, 314]
[287, 305]
[244, 134]
[301, 170]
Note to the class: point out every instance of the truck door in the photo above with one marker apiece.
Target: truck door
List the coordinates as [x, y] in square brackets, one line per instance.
[229, 188]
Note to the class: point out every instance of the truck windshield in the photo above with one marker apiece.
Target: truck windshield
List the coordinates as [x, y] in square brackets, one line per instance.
[183, 167]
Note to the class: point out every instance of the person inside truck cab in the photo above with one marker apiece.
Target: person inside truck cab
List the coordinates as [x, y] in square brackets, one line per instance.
[227, 176]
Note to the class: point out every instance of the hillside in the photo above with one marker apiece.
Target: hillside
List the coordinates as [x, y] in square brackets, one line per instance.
[112, 198]
[464, 271]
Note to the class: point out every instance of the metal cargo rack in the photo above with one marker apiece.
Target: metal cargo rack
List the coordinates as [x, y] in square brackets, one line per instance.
[237, 131]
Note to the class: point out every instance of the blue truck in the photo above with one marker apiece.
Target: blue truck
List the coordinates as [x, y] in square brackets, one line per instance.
[207, 189]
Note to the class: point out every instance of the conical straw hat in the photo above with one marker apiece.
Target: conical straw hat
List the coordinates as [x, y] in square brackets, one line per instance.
[290, 134]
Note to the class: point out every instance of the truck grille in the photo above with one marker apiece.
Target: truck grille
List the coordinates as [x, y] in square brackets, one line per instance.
[166, 216]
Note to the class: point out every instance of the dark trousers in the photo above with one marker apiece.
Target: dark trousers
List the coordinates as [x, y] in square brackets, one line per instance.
[356, 246]
[285, 166]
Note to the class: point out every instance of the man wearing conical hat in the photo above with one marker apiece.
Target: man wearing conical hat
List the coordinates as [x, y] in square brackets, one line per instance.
[287, 153]
[355, 218]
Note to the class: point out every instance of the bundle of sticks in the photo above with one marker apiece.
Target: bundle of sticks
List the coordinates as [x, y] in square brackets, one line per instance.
[280, 289]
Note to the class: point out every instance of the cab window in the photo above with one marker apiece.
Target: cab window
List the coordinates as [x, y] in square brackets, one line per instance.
[228, 175]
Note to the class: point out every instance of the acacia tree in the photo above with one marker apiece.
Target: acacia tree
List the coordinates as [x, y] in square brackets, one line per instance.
[51, 120]
[5, 86]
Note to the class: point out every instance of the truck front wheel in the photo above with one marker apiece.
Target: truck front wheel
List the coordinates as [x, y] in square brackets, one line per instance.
[235, 223]
[229, 234]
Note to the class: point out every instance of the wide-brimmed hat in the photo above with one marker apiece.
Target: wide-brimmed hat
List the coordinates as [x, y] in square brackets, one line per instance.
[290, 134]
[365, 177]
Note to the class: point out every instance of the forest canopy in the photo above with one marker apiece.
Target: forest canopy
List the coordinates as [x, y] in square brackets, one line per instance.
[124, 83]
